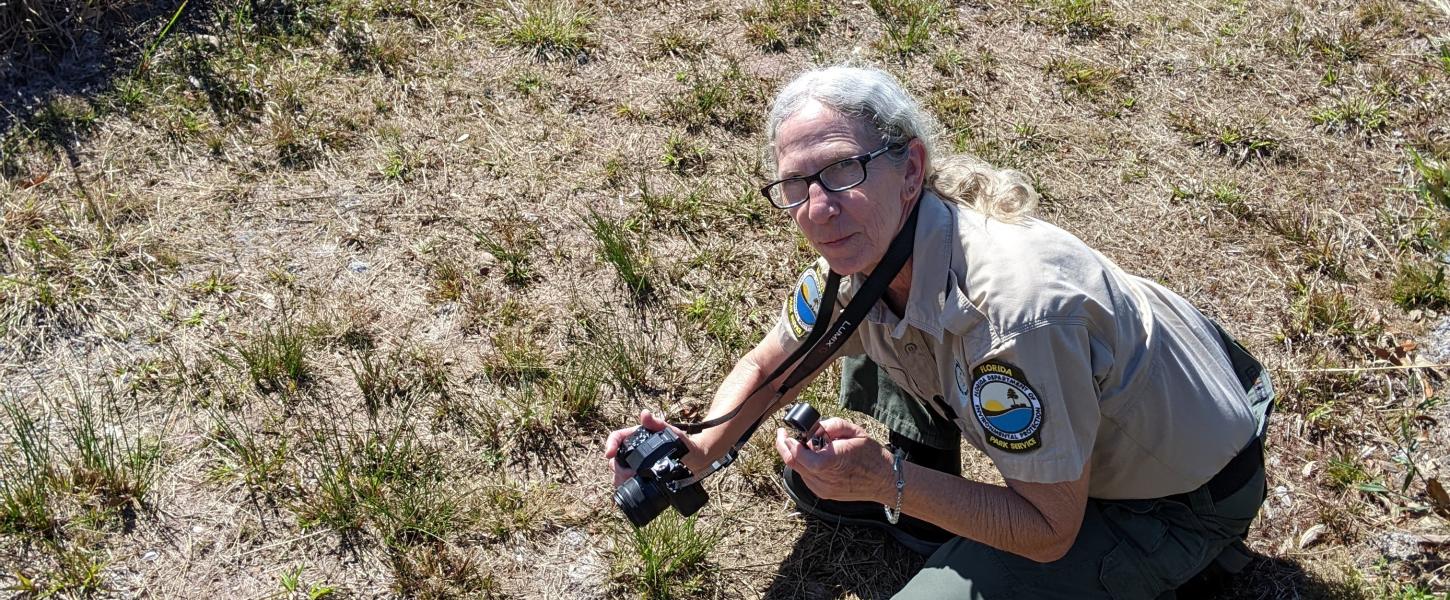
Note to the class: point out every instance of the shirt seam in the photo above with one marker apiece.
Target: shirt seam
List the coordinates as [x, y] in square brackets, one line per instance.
[1035, 324]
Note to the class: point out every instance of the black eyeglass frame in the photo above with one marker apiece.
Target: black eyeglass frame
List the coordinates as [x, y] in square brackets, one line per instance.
[816, 177]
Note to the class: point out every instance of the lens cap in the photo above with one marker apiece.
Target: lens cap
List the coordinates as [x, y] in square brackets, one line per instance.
[802, 417]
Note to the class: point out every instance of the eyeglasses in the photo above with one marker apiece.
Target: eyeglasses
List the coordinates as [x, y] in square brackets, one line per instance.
[838, 176]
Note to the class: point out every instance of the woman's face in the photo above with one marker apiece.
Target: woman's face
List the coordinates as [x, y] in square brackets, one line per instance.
[853, 228]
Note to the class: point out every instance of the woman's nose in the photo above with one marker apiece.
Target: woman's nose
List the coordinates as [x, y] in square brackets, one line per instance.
[820, 205]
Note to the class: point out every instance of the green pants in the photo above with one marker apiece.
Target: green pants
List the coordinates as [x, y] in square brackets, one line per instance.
[1126, 549]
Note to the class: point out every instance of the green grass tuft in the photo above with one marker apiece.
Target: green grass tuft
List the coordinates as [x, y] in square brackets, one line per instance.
[439, 571]
[776, 25]
[1433, 177]
[513, 253]
[1349, 115]
[1238, 142]
[63, 119]
[365, 49]
[679, 44]
[1328, 314]
[380, 380]
[720, 320]
[382, 479]
[1420, 286]
[248, 453]
[626, 358]
[450, 280]
[667, 558]
[1344, 472]
[1085, 79]
[1347, 44]
[516, 357]
[625, 250]
[1077, 19]
[726, 98]
[31, 472]
[112, 461]
[684, 156]
[276, 359]
[955, 110]
[909, 25]
[100, 460]
[549, 29]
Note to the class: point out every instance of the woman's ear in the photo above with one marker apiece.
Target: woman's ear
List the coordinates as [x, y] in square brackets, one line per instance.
[915, 174]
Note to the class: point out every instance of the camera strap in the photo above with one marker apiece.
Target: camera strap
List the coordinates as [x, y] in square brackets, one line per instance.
[819, 347]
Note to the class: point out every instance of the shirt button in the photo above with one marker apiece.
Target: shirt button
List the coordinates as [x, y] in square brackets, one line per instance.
[911, 348]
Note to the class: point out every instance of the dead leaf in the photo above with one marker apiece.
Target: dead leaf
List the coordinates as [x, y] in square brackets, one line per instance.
[1430, 539]
[1311, 535]
[1439, 497]
[34, 181]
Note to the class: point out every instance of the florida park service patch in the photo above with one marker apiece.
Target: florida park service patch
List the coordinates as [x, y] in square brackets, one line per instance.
[1007, 408]
[802, 307]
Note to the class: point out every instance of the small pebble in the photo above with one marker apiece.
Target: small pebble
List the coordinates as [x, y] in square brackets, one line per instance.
[357, 266]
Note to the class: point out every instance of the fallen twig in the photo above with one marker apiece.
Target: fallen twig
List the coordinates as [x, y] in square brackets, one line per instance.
[1359, 369]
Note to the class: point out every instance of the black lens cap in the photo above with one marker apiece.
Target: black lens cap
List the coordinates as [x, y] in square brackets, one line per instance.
[802, 417]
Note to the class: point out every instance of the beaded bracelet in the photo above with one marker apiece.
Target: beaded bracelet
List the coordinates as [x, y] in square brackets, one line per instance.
[894, 514]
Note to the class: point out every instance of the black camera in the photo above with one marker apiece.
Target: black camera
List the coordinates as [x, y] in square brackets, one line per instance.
[655, 458]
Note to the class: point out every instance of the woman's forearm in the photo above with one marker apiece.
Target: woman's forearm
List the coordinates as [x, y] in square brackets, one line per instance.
[994, 515]
[746, 376]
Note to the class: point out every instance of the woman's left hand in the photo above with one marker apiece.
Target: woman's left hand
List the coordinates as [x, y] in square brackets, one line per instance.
[849, 466]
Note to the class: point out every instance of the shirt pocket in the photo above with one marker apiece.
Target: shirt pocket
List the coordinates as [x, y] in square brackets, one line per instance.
[962, 318]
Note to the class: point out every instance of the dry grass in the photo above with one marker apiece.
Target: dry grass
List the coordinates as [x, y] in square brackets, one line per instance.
[353, 290]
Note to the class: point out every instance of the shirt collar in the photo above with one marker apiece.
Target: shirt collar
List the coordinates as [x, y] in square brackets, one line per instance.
[930, 256]
[931, 259]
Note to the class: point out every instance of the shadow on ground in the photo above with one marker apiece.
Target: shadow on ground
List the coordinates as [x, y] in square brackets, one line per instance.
[831, 561]
[84, 63]
[1269, 578]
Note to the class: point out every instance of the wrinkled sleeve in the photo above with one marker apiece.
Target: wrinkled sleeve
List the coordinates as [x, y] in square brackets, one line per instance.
[1035, 403]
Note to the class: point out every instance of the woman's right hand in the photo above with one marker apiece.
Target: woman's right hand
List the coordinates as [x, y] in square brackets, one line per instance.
[694, 459]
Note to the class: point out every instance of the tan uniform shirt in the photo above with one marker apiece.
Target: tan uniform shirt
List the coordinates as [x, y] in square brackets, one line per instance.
[1047, 355]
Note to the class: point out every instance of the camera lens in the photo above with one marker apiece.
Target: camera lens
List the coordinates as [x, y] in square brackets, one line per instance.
[641, 500]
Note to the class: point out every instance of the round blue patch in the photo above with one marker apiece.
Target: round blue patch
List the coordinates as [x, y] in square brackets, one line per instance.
[1007, 408]
[806, 303]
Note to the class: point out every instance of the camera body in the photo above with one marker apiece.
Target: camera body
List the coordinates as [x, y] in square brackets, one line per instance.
[655, 458]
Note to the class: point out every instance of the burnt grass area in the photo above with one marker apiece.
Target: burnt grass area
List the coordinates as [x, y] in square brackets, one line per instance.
[340, 298]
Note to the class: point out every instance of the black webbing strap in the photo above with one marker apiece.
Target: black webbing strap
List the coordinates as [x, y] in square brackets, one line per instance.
[813, 353]
[828, 305]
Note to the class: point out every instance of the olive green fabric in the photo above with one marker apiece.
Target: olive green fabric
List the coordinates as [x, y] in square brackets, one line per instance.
[1126, 550]
[867, 388]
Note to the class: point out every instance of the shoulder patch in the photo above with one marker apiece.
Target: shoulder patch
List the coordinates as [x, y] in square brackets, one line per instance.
[1007, 408]
[803, 305]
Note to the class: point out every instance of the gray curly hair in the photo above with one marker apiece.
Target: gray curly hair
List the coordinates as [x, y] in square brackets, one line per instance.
[876, 96]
